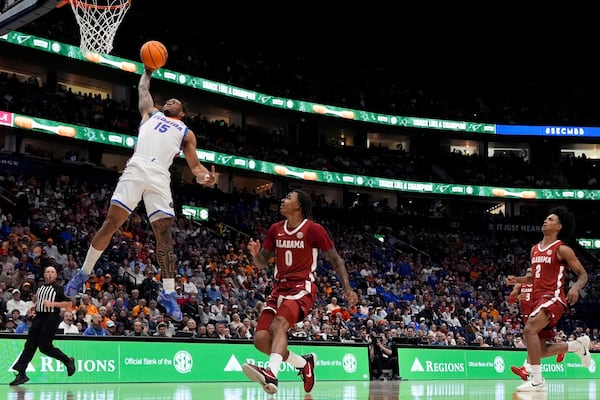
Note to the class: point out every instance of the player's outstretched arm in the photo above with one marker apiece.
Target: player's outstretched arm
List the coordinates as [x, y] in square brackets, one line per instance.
[339, 266]
[566, 253]
[145, 100]
[203, 175]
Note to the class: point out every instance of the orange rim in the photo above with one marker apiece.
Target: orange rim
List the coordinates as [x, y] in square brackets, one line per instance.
[83, 4]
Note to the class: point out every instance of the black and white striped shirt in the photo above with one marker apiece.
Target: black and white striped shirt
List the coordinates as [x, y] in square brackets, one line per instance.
[52, 292]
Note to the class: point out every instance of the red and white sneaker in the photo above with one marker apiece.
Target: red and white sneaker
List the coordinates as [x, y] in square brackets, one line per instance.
[308, 371]
[560, 357]
[521, 372]
[263, 376]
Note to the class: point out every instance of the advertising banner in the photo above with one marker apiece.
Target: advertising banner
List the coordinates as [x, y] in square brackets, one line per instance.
[176, 361]
[458, 363]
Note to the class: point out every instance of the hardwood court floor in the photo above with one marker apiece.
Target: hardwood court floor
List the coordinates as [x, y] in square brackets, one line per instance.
[342, 390]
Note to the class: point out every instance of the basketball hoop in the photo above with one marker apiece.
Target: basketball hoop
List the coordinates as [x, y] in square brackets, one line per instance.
[98, 23]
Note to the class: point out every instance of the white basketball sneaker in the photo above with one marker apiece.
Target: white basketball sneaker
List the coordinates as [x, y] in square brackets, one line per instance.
[584, 353]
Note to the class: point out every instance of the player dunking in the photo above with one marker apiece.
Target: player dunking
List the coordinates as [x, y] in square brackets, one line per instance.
[162, 134]
[550, 259]
[295, 242]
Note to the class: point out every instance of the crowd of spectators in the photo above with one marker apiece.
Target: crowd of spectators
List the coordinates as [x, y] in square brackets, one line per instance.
[29, 97]
[450, 292]
[416, 86]
[454, 296]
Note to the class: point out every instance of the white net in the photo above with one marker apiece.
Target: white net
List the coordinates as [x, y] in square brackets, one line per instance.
[98, 23]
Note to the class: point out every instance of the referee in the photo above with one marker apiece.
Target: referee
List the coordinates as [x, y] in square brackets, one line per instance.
[45, 314]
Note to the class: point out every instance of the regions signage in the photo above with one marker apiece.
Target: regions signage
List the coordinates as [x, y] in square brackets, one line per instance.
[175, 361]
[458, 363]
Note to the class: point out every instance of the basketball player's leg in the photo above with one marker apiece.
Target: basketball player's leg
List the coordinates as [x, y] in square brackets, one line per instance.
[289, 312]
[115, 217]
[125, 198]
[158, 201]
[555, 313]
[263, 339]
[159, 207]
[537, 321]
[294, 311]
[165, 257]
[523, 371]
[270, 338]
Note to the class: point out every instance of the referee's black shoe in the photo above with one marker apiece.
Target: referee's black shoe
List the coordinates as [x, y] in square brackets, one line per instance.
[71, 366]
[19, 379]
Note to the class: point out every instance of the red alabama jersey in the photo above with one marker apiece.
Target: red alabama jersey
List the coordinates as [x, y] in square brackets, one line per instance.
[297, 250]
[526, 303]
[548, 272]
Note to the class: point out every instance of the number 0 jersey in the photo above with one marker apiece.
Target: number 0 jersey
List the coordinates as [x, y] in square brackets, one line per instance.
[296, 250]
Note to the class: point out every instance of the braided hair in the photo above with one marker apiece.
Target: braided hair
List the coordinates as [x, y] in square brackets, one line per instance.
[305, 202]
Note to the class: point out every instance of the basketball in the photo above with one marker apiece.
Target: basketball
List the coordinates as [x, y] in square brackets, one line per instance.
[153, 54]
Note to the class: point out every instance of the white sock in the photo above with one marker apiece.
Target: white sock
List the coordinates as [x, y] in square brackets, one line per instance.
[527, 365]
[296, 360]
[169, 285]
[90, 259]
[536, 374]
[274, 363]
[573, 346]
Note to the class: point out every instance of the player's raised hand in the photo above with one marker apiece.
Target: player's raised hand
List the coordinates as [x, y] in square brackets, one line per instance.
[208, 179]
[351, 297]
[572, 296]
[254, 247]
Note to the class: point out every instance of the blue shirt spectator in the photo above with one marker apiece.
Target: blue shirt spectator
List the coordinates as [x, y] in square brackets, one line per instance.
[95, 328]
[23, 327]
[5, 229]
[25, 263]
[95, 331]
[213, 292]
[405, 268]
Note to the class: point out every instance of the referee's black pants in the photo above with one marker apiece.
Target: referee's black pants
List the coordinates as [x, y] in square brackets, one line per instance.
[41, 335]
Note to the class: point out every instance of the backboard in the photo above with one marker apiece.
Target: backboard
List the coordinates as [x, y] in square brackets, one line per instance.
[16, 13]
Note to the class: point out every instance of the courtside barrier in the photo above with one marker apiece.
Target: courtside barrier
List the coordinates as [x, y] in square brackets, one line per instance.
[125, 359]
[455, 363]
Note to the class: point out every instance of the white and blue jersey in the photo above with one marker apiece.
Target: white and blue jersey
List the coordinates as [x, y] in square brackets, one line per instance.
[147, 174]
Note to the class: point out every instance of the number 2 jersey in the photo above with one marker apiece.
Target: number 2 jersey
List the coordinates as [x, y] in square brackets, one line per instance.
[296, 250]
[548, 272]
